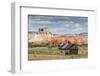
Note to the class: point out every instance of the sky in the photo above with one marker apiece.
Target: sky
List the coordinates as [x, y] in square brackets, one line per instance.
[58, 24]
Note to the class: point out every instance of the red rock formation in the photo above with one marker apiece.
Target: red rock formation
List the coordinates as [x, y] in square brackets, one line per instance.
[72, 39]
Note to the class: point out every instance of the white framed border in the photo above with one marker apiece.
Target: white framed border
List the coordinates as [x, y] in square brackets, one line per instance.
[19, 62]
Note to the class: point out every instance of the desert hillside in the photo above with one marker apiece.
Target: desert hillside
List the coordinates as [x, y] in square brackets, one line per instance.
[43, 36]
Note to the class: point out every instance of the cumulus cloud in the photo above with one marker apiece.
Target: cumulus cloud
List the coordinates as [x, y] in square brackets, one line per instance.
[39, 22]
[58, 24]
[72, 25]
[76, 27]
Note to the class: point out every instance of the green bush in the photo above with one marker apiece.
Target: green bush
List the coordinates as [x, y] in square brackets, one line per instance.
[82, 50]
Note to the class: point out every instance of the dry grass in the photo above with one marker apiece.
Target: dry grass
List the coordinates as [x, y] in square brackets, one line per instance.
[54, 54]
[54, 57]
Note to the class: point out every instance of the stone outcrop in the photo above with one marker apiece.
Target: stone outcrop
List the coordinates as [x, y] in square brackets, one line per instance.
[43, 36]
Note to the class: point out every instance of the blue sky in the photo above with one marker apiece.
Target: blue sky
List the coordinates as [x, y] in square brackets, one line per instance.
[58, 24]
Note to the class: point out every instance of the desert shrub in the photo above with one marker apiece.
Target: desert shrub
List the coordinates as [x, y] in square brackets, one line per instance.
[43, 50]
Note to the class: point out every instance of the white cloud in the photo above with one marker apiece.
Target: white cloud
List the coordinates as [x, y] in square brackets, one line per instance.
[39, 22]
[76, 27]
[72, 25]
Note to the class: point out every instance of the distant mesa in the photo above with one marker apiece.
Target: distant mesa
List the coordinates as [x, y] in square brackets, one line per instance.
[85, 34]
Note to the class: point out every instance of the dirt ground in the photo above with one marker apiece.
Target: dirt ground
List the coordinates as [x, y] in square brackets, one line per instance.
[54, 57]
